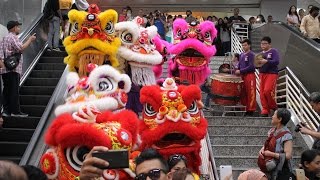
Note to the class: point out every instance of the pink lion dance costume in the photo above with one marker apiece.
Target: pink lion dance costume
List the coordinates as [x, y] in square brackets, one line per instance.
[192, 49]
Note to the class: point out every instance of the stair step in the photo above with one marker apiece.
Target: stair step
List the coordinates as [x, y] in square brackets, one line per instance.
[13, 148]
[16, 134]
[37, 90]
[19, 122]
[237, 139]
[55, 54]
[47, 59]
[218, 120]
[46, 74]
[244, 161]
[41, 81]
[33, 110]
[238, 130]
[50, 66]
[244, 150]
[34, 100]
[15, 159]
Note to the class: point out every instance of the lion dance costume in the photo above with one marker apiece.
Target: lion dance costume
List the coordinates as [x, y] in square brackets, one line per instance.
[86, 120]
[193, 49]
[92, 39]
[172, 120]
[137, 56]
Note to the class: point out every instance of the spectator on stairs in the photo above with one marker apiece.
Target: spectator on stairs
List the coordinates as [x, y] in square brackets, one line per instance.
[301, 14]
[310, 162]
[53, 14]
[293, 17]
[178, 163]
[280, 159]
[310, 26]
[315, 103]
[182, 174]
[11, 79]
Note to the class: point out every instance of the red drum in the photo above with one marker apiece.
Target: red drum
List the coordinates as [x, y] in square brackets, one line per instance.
[226, 89]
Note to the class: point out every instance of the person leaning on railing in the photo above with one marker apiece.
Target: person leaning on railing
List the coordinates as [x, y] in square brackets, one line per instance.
[315, 104]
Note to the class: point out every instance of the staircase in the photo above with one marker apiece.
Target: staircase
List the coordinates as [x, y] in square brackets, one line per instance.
[214, 65]
[236, 141]
[35, 94]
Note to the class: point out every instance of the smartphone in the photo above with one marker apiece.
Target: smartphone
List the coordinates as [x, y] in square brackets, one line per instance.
[300, 174]
[118, 159]
[226, 172]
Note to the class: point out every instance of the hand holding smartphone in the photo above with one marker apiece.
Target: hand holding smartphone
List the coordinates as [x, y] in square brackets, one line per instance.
[118, 159]
[300, 174]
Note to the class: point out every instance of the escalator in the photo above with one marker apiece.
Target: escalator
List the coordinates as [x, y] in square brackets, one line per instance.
[42, 72]
[298, 53]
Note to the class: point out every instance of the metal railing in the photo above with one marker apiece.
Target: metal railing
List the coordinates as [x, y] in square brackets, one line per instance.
[290, 93]
[242, 29]
[236, 46]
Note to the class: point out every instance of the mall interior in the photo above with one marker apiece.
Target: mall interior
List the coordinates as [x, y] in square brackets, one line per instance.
[171, 89]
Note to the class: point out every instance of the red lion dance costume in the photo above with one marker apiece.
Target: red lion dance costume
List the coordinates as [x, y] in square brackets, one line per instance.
[80, 125]
[192, 49]
[172, 120]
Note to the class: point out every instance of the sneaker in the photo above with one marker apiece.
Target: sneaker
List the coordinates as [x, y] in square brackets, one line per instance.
[5, 114]
[49, 49]
[20, 114]
[56, 49]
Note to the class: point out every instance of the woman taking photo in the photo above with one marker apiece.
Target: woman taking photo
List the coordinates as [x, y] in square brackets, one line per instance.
[310, 162]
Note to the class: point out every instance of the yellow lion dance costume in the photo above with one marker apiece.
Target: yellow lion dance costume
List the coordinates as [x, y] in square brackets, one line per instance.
[92, 39]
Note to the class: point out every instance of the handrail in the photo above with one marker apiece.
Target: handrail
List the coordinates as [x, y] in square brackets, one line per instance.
[310, 41]
[213, 162]
[32, 65]
[24, 34]
[44, 120]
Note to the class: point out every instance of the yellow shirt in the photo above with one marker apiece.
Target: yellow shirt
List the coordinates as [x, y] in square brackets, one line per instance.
[310, 26]
[65, 4]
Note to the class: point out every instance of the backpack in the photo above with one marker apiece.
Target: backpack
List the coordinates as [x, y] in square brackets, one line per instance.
[48, 13]
[270, 145]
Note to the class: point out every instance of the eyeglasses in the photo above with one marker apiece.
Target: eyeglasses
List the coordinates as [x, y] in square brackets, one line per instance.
[176, 157]
[153, 174]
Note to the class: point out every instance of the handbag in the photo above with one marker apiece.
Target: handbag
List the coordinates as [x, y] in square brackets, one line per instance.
[11, 62]
[285, 175]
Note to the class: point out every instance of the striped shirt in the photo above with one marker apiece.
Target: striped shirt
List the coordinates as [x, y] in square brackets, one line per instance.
[9, 46]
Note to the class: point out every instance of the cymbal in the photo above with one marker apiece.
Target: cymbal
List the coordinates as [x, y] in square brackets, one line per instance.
[257, 60]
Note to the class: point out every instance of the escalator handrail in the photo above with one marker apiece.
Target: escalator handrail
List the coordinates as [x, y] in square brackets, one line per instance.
[44, 118]
[25, 34]
[299, 34]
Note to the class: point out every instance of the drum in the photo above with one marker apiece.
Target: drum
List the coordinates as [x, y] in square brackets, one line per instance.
[226, 89]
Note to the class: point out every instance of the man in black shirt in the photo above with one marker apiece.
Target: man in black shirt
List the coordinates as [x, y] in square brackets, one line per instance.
[53, 14]
[236, 18]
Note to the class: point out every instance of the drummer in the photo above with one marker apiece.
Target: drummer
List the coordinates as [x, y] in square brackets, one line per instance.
[268, 76]
[246, 69]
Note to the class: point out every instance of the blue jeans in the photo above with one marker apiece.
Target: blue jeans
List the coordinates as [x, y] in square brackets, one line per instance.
[54, 32]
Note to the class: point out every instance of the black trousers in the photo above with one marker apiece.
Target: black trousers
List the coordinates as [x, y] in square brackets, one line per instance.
[10, 96]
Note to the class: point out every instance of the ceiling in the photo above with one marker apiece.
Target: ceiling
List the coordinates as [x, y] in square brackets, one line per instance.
[178, 5]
